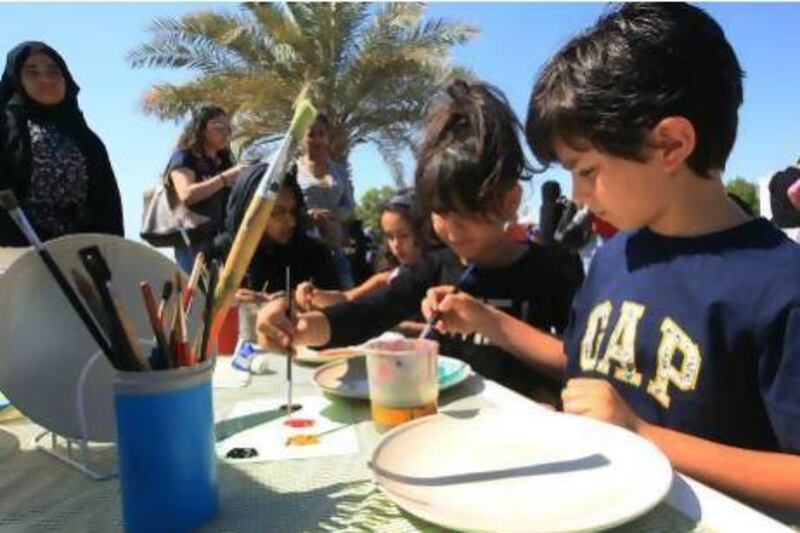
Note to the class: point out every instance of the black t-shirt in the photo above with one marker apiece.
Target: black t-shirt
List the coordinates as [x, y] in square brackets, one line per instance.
[308, 258]
[204, 168]
[537, 289]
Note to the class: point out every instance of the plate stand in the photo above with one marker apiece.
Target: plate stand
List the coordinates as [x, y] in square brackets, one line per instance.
[81, 453]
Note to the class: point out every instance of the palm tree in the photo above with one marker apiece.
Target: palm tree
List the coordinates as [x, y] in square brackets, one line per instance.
[371, 68]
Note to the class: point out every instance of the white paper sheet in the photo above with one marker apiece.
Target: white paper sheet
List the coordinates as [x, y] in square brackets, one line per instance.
[270, 439]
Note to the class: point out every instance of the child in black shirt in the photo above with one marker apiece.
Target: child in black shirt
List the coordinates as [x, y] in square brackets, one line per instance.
[467, 178]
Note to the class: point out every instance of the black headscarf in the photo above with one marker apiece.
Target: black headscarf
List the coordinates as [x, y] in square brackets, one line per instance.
[16, 108]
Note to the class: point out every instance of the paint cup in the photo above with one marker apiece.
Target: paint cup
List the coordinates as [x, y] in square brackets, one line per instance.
[165, 442]
[248, 311]
[403, 381]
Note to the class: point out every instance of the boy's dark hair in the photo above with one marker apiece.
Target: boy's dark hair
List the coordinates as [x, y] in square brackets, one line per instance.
[470, 156]
[639, 64]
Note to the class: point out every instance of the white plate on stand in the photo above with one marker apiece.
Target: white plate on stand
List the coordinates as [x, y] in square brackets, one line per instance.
[44, 347]
[537, 471]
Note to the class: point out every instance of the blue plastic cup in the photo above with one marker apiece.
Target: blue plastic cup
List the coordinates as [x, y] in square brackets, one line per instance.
[165, 442]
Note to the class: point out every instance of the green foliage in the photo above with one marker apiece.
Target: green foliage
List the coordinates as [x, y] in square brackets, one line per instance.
[372, 68]
[745, 190]
[368, 209]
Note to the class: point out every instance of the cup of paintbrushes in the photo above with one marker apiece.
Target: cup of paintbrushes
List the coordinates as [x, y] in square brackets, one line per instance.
[165, 440]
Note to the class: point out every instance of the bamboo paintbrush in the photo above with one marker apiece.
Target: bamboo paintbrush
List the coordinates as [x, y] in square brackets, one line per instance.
[194, 277]
[256, 217]
[8, 202]
[166, 293]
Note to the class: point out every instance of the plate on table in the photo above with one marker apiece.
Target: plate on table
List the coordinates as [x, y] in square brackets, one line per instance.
[348, 377]
[310, 355]
[537, 471]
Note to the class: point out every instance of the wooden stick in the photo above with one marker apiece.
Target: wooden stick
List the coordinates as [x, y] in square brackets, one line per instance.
[255, 220]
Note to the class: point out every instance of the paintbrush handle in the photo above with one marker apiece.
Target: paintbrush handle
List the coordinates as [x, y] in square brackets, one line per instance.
[152, 315]
[255, 220]
[208, 311]
[436, 315]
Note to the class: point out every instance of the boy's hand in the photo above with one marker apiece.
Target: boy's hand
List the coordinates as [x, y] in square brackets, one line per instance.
[598, 399]
[304, 296]
[460, 312]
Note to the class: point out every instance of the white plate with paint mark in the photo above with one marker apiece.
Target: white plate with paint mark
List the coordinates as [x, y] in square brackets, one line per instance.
[538, 471]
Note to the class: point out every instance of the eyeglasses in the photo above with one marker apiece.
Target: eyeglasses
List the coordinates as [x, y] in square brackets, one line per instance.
[220, 126]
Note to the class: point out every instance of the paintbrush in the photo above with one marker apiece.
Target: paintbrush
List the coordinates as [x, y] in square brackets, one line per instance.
[208, 311]
[166, 292]
[8, 202]
[155, 324]
[89, 294]
[174, 337]
[291, 314]
[122, 338]
[256, 218]
[437, 314]
[194, 277]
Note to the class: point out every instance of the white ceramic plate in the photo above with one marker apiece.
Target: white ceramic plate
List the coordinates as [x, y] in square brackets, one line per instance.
[348, 377]
[44, 346]
[496, 471]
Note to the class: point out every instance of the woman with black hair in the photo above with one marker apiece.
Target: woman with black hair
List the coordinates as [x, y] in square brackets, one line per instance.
[55, 164]
[201, 169]
[284, 242]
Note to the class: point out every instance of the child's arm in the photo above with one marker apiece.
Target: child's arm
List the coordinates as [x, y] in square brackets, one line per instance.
[461, 313]
[310, 297]
[276, 332]
[768, 478]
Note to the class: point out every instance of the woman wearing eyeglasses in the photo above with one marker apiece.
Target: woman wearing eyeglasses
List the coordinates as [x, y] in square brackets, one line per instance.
[55, 164]
[202, 170]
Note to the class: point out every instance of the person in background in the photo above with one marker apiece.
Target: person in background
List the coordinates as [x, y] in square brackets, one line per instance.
[549, 212]
[56, 165]
[784, 196]
[201, 170]
[328, 194]
[404, 244]
[285, 242]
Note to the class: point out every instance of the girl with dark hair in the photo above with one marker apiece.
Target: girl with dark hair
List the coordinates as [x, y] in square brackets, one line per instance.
[284, 243]
[328, 194]
[201, 170]
[403, 245]
[467, 178]
[55, 164]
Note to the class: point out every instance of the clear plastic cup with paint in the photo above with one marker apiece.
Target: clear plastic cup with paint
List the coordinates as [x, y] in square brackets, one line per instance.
[403, 382]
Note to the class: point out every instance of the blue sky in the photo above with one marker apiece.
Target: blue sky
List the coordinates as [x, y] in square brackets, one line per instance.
[515, 40]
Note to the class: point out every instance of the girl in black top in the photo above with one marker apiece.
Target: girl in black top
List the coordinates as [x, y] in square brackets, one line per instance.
[467, 178]
[57, 167]
[284, 242]
[201, 170]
